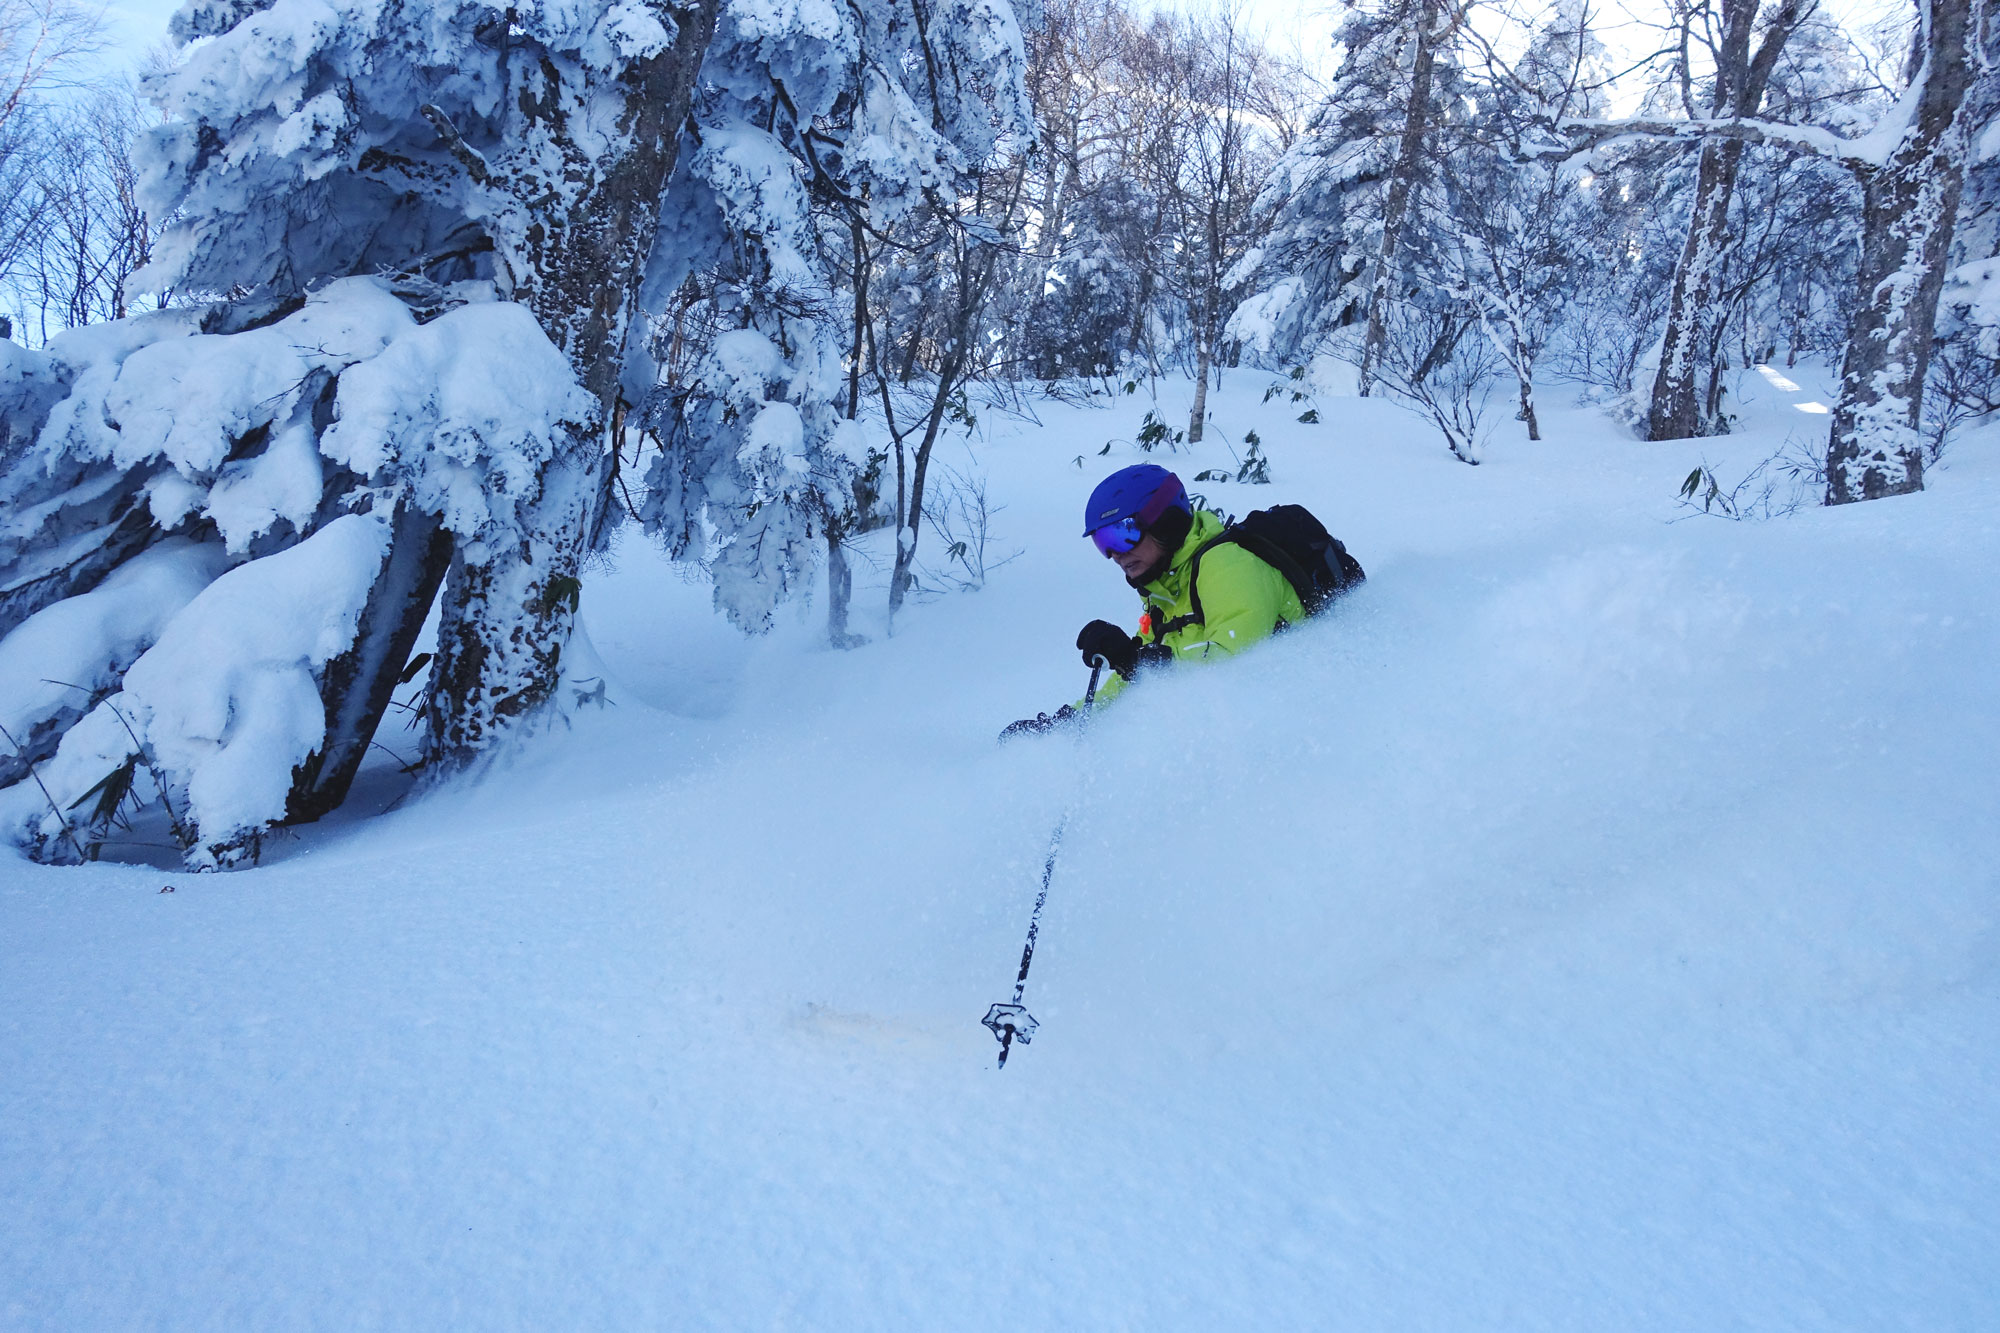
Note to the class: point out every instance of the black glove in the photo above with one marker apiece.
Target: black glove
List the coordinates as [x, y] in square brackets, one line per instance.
[1120, 651]
[1039, 723]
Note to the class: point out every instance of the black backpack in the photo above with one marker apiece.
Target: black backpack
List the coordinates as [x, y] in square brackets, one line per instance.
[1290, 540]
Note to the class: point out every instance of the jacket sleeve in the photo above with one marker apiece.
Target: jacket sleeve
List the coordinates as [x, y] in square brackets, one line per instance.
[1244, 601]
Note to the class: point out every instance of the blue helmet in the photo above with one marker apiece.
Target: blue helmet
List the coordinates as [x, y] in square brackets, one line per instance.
[1141, 492]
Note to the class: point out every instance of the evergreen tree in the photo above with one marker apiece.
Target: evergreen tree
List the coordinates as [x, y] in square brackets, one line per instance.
[1346, 203]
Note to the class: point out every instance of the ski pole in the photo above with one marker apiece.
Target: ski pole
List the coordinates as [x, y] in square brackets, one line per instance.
[1012, 1019]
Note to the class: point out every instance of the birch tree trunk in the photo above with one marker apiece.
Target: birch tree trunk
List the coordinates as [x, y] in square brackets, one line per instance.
[1204, 360]
[839, 589]
[1524, 371]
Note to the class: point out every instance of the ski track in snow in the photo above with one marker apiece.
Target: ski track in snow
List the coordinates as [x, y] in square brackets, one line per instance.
[1593, 925]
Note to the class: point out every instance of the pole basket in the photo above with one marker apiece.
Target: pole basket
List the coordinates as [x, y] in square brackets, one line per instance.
[1010, 1023]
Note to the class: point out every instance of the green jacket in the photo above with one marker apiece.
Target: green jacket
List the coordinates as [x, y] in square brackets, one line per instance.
[1243, 600]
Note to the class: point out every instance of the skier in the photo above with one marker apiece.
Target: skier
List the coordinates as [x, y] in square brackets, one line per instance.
[1140, 517]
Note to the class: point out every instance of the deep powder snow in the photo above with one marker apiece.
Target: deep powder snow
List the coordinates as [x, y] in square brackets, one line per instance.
[1592, 925]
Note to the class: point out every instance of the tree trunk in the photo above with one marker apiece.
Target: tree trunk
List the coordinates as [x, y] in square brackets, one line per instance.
[510, 599]
[1676, 411]
[839, 591]
[861, 267]
[509, 606]
[906, 535]
[1148, 282]
[1909, 207]
[588, 261]
[1204, 359]
[1524, 370]
[357, 686]
[910, 348]
[1396, 206]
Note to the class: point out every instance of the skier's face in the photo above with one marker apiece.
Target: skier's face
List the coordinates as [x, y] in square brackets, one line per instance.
[1143, 562]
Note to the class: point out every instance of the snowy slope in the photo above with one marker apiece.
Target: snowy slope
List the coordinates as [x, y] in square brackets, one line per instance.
[1594, 925]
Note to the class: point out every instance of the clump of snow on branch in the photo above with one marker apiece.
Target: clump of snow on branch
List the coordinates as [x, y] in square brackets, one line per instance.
[336, 162]
[460, 412]
[465, 409]
[225, 705]
[57, 662]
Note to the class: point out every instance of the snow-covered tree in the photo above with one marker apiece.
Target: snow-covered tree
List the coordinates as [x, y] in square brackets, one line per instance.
[208, 456]
[429, 228]
[1964, 381]
[1910, 199]
[1346, 200]
[884, 116]
[432, 234]
[1086, 319]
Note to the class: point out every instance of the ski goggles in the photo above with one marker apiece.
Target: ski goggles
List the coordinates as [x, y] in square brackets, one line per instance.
[1117, 538]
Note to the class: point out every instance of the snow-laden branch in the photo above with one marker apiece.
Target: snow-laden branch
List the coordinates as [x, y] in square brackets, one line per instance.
[1863, 156]
[1859, 155]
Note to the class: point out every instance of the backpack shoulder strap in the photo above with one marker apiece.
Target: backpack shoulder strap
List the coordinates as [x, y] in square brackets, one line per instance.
[1195, 616]
[1263, 549]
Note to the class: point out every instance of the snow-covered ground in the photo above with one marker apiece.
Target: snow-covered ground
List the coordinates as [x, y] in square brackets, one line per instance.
[1595, 924]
